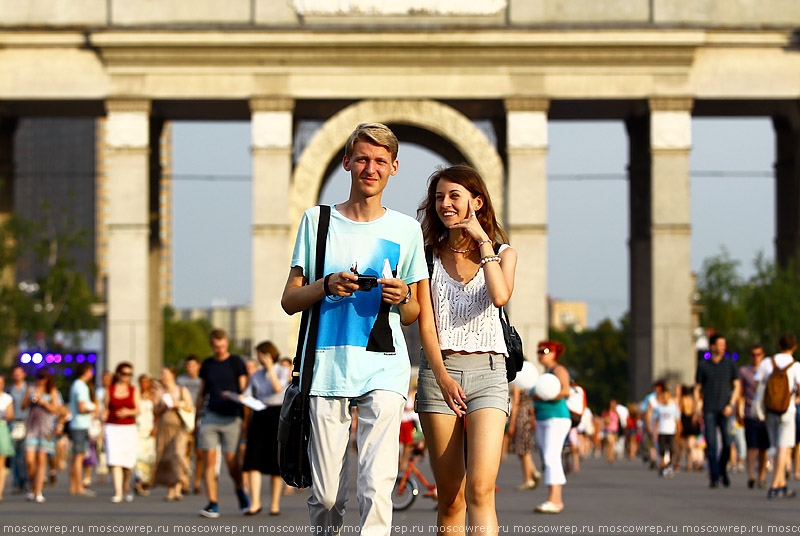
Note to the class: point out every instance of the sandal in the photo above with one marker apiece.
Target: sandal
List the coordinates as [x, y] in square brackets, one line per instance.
[548, 507]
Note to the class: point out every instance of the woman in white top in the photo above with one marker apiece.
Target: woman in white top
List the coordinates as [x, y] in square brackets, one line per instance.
[462, 392]
[261, 457]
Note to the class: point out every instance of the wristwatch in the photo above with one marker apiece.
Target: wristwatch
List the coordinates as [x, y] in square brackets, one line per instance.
[408, 296]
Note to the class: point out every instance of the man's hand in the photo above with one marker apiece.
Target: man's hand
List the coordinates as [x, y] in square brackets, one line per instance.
[342, 284]
[394, 290]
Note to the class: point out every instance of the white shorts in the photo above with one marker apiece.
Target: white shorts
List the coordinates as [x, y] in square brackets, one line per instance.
[780, 429]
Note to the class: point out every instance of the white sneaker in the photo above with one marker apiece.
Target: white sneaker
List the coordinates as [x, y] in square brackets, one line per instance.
[40, 498]
[129, 497]
[116, 499]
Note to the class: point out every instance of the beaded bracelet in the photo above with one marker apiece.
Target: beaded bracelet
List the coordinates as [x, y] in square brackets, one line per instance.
[489, 259]
[482, 242]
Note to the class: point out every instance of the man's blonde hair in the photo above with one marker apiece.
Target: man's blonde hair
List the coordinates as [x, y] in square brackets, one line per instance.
[374, 133]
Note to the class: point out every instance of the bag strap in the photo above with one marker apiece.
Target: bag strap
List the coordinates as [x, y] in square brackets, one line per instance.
[309, 322]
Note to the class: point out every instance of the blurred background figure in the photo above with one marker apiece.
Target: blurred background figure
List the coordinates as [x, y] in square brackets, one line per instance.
[122, 406]
[171, 466]
[266, 384]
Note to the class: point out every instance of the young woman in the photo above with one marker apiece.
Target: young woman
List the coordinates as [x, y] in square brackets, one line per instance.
[462, 392]
[41, 399]
[171, 467]
[552, 427]
[122, 406]
[261, 457]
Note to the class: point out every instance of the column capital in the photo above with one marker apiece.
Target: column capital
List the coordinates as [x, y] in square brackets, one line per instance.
[271, 104]
[527, 104]
[671, 104]
[128, 105]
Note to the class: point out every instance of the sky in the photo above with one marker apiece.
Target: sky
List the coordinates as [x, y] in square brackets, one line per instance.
[732, 206]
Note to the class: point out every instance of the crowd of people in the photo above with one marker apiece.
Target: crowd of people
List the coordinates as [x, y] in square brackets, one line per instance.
[453, 271]
[146, 433]
[721, 424]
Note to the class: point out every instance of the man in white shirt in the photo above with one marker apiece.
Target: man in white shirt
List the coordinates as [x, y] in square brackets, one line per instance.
[780, 427]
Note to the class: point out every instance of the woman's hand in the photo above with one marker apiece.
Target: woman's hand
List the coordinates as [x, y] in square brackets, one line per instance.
[472, 227]
[453, 395]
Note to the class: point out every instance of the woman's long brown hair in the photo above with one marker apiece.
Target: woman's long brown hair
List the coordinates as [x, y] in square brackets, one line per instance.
[434, 231]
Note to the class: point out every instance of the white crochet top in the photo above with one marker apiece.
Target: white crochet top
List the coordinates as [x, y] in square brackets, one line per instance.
[465, 316]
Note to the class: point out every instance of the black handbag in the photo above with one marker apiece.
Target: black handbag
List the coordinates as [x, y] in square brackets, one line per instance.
[515, 357]
[294, 427]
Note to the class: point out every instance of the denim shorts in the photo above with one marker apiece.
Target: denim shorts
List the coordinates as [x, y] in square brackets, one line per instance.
[80, 440]
[481, 376]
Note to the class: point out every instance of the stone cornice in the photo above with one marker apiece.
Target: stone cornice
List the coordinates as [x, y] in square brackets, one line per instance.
[123, 105]
[271, 104]
[579, 48]
[527, 104]
[671, 104]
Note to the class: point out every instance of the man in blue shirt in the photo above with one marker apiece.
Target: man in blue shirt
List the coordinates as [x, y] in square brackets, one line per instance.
[361, 356]
[83, 409]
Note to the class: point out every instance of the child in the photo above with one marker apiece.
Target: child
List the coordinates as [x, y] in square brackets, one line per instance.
[666, 416]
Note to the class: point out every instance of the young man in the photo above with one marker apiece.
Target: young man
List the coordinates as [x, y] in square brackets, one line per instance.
[780, 426]
[82, 409]
[361, 356]
[719, 381]
[192, 381]
[755, 431]
[221, 424]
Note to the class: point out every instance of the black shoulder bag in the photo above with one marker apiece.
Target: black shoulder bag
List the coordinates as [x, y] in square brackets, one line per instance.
[294, 428]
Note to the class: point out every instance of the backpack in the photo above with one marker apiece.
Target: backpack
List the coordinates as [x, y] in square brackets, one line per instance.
[777, 395]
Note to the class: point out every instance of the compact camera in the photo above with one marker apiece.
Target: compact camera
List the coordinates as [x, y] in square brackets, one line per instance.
[367, 282]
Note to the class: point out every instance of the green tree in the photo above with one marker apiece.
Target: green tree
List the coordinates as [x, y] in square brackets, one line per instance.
[772, 301]
[58, 300]
[722, 295]
[184, 337]
[598, 358]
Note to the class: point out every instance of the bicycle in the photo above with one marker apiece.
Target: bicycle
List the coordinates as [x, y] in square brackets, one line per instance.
[408, 485]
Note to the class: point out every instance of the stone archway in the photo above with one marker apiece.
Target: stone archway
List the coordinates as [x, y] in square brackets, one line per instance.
[433, 116]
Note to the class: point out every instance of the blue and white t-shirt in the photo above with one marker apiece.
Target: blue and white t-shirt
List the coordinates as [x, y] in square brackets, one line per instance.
[360, 344]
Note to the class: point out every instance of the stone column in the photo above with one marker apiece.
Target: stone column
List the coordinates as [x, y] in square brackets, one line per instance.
[272, 135]
[526, 215]
[787, 188]
[129, 276]
[640, 339]
[673, 355]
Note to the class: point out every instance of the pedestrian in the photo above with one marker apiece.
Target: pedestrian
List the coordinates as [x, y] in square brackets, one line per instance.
[780, 426]
[690, 429]
[755, 430]
[361, 355]
[718, 380]
[19, 466]
[145, 437]
[120, 438]
[224, 375]
[520, 432]
[267, 385]
[83, 410]
[6, 416]
[667, 421]
[171, 467]
[611, 429]
[100, 398]
[462, 391]
[192, 381]
[41, 399]
[552, 426]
